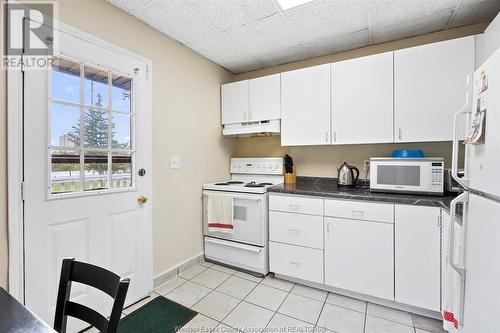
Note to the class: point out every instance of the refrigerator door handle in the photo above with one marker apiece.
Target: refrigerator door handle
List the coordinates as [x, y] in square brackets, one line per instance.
[464, 197]
[467, 108]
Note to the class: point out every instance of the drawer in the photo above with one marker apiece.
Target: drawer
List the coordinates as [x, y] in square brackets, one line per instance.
[296, 204]
[296, 229]
[296, 261]
[359, 210]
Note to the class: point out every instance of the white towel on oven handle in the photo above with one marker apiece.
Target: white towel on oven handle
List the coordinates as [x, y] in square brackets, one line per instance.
[220, 212]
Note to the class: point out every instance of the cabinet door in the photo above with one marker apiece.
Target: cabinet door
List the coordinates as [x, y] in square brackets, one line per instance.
[359, 256]
[362, 103]
[234, 102]
[417, 256]
[305, 106]
[429, 87]
[264, 98]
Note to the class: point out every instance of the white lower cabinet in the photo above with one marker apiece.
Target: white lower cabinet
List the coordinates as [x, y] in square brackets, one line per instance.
[359, 256]
[296, 261]
[417, 254]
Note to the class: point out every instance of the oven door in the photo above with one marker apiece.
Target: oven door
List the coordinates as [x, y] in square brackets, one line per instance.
[249, 218]
[402, 176]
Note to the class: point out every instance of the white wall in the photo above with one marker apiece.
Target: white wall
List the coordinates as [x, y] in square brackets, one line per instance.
[487, 43]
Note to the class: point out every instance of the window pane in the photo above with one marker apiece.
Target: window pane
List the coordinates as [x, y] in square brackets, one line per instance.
[66, 80]
[121, 131]
[65, 172]
[122, 170]
[121, 93]
[64, 125]
[96, 170]
[96, 129]
[96, 88]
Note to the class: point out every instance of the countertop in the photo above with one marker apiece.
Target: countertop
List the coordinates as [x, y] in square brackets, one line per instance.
[327, 188]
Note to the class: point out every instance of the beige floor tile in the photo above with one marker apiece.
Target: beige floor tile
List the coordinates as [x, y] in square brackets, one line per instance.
[170, 285]
[206, 264]
[216, 305]
[317, 294]
[428, 324]
[211, 278]
[188, 294]
[250, 277]
[390, 314]
[199, 324]
[380, 325]
[236, 287]
[282, 324]
[222, 328]
[224, 269]
[337, 319]
[418, 330]
[267, 297]
[278, 283]
[300, 307]
[192, 271]
[248, 317]
[346, 302]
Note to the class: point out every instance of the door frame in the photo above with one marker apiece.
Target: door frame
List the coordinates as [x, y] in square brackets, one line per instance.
[15, 167]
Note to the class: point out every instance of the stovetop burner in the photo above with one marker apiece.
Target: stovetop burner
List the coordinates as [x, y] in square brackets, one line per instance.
[254, 185]
[221, 183]
[234, 182]
[266, 184]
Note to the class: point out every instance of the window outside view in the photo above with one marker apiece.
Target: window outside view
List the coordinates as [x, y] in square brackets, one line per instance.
[90, 128]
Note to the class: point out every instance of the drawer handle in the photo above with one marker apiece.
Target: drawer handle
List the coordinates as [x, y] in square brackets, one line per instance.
[294, 207]
[357, 212]
[295, 231]
[294, 263]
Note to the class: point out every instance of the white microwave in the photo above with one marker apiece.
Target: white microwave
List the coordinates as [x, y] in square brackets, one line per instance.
[407, 175]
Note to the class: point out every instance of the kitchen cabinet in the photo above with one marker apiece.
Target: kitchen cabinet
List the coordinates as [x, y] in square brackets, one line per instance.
[417, 256]
[305, 106]
[362, 100]
[251, 100]
[359, 256]
[429, 87]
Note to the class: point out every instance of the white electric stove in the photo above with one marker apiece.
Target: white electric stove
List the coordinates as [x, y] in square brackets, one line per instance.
[247, 246]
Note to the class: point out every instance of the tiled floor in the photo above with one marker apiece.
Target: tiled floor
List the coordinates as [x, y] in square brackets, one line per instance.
[232, 301]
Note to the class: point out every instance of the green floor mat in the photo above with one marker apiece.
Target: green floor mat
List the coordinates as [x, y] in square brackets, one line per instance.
[160, 315]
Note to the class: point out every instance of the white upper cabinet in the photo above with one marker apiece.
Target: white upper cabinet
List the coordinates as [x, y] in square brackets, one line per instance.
[305, 106]
[429, 87]
[235, 102]
[251, 100]
[264, 98]
[417, 254]
[362, 100]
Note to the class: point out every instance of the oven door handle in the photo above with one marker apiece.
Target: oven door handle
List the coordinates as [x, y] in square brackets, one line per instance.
[240, 246]
[237, 196]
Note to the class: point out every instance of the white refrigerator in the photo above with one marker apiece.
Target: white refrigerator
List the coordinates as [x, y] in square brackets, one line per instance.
[471, 278]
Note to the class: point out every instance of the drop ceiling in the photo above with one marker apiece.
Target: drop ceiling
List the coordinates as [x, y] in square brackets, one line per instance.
[245, 35]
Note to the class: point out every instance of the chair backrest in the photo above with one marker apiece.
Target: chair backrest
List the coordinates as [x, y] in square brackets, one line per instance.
[94, 276]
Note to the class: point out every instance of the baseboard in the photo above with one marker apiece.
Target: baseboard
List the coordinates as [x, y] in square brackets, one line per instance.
[163, 277]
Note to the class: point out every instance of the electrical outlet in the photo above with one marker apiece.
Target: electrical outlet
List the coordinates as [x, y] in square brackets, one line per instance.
[366, 165]
[175, 162]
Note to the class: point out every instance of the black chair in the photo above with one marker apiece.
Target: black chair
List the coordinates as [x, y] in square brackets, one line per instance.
[94, 276]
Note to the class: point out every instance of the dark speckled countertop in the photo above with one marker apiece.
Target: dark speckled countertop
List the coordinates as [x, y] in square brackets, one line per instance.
[327, 188]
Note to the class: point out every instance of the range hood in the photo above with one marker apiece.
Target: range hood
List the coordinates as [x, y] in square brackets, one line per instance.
[263, 127]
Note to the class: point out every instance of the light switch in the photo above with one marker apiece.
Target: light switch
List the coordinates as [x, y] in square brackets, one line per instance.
[175, 162]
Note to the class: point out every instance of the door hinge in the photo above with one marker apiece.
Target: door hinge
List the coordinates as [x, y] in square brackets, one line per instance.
[440, 221]
[23, 191]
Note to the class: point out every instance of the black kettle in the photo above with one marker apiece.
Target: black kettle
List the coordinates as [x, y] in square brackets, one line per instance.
[345, 175]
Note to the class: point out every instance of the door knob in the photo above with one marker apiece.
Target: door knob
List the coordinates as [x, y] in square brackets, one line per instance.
[142, 199]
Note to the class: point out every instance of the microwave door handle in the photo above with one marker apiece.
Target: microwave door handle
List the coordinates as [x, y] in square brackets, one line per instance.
[467, 108]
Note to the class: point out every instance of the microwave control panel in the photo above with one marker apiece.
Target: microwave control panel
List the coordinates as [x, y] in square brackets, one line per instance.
[437, 177]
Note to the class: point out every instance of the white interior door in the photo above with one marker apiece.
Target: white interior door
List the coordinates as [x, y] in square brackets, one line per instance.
[87, 135]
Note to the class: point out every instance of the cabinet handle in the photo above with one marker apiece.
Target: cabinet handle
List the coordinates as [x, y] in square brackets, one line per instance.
[294, 207]
[326, 137]
[295, 230]
[335, 136]
[400, 134]
[294, 263]
[328, 227]
[358, 212]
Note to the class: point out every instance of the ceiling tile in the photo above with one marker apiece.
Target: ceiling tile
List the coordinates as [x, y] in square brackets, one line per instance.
[340, 43]
[175, 20]
[475, 13]
[225, 15]
[326, 18]
[393, 12]
[129, 5]
[437, 21]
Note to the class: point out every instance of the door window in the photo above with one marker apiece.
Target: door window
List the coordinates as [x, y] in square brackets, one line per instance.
[91, 127]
